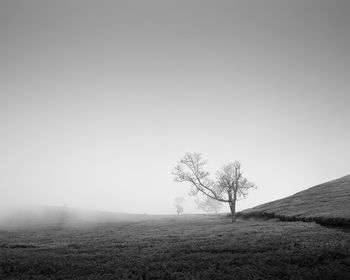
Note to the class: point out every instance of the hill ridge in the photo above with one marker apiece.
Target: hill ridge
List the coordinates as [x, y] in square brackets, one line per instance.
[327, 204]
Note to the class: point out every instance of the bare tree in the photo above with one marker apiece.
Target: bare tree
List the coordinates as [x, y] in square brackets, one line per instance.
[208, 204]
[228, 186]
[179, 201]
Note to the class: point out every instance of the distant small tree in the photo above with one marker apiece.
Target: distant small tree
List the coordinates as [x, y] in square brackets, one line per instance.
[208, 204]
[228, 186]
[179, 201]
[179, 209]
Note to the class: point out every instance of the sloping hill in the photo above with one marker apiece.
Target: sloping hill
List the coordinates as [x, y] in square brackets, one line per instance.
[327, 204]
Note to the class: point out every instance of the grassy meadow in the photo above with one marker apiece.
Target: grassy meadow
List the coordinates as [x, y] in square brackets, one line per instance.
[176, 247]
[327, 204]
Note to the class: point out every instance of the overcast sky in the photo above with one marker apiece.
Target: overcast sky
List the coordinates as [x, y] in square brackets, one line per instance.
[100, 99]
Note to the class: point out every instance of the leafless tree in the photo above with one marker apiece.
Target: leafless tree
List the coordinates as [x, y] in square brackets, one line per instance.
[228, 186]
[179, 201]
[208, 204]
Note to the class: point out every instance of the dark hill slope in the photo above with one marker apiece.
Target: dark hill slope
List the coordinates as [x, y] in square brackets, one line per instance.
[327, 204]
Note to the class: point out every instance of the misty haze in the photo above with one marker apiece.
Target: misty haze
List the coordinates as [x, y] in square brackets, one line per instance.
[174, 139]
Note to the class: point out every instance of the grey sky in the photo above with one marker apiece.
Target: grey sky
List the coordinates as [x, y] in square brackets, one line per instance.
[100, 99]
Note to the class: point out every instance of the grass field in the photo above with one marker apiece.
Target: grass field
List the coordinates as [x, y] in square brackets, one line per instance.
[327, 204]
[185, 247]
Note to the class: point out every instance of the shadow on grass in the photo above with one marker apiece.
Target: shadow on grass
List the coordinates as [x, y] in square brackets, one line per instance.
[324, 221]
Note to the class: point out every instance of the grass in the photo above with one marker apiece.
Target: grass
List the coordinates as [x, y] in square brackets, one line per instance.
[186, 247]
[327, 204]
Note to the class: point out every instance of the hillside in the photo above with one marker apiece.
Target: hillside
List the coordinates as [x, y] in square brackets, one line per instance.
[327, 204]
[61, 216]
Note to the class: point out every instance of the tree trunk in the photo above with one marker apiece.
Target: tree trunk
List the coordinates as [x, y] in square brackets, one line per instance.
[233, 209]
